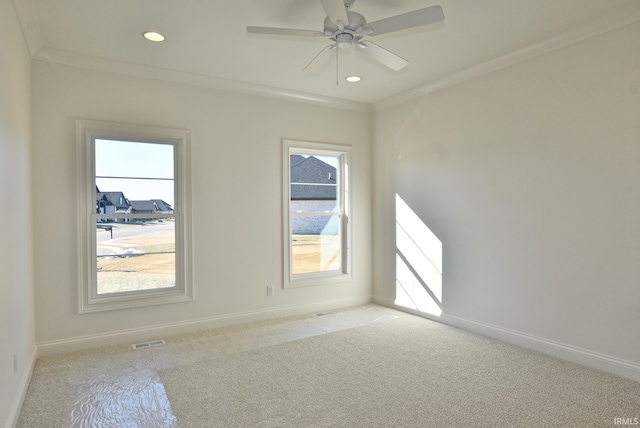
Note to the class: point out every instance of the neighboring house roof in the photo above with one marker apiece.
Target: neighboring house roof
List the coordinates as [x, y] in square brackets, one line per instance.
[162, 205]
[143, 206]
[113, 198]
[105, 201]
[313, 171]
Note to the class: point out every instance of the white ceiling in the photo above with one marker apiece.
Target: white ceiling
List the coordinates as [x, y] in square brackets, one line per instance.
[207, 41]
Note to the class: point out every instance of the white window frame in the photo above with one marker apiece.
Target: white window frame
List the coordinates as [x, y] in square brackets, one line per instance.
[88, 298]
[343, 152]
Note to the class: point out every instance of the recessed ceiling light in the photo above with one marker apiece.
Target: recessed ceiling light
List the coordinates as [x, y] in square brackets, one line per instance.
[153, 36]
[353, 79]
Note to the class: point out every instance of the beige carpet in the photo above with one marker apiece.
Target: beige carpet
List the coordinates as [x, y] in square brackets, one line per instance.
[405, 372]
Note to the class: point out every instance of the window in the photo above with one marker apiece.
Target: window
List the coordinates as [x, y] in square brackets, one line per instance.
[316, 207]
[133, 210]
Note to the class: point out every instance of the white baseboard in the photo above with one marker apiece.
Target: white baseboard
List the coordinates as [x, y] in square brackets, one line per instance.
[585, 357]
[21, 393]
[170, 329]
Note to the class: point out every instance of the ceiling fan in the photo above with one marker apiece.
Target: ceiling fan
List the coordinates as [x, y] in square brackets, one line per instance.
[346, 28]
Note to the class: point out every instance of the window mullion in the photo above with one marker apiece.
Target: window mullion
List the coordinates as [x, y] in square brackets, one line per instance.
[318, 213]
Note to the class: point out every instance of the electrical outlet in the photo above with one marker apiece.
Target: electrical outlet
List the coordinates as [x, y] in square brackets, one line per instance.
[15, 363]
[269, 291]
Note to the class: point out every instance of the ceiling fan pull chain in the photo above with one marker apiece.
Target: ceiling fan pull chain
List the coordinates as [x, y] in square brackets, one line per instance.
[337, 73]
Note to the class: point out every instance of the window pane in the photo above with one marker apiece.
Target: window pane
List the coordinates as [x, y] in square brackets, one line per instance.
[314, 183]
[133, 254]
[136, 196]
[315, 244]
[128, 159]
[314, 206]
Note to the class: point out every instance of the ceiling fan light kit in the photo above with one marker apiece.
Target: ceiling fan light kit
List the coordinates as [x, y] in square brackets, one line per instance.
[344, 40]
[346, 28]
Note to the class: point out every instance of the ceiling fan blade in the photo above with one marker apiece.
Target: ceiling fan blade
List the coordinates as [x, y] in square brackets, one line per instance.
[282, 31]
[320, 60]
[382, 55]
[417, 18]
[336, 11]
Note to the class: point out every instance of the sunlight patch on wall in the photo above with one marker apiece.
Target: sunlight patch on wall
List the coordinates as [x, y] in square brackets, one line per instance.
[418, 262]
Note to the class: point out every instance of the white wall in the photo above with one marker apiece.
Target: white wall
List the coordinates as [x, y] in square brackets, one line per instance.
[236, 177]
[530, 177]
[16, 285]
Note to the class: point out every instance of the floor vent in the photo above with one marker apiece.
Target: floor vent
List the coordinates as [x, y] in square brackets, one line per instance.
[322, 314]
[147, 344]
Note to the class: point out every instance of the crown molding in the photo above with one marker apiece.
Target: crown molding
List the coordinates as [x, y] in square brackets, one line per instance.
[621, 18]
[28, 18]
[201, 80]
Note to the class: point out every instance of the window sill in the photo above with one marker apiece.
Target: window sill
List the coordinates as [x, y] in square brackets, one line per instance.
[110, 303]
[309, 280]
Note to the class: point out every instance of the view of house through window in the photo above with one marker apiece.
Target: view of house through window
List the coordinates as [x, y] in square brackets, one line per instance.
[317, 204]
[135, 228]
[315, 218]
